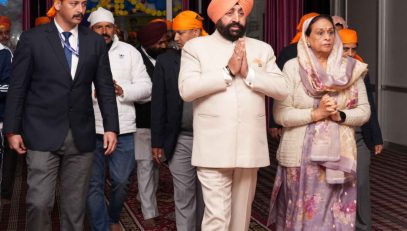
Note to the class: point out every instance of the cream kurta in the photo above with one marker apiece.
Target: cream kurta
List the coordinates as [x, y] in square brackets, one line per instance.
[230, 128]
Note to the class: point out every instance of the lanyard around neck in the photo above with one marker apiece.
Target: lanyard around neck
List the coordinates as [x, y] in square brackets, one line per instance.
[74, 51]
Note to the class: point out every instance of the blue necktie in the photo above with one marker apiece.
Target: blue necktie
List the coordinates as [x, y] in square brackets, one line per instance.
[68, 53]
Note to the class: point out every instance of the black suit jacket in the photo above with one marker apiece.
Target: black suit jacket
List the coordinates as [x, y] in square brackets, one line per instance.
[43, 101]
[371, 132]
[143, 110]
[166, 103]
[286, 54]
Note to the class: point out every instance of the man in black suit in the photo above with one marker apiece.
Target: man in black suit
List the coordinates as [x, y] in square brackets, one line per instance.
[368, 139]
[49, 112]
[171, 125]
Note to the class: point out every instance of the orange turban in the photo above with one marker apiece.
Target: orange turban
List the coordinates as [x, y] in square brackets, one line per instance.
[300, 24]
[168, 23]
[187, 20]
[41, 20]
[5, 22]
[218, 8]
[52, 11]
[348, 36]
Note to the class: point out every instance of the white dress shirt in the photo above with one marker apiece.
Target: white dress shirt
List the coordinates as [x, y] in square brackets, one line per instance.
[74, 42]
[152, 60]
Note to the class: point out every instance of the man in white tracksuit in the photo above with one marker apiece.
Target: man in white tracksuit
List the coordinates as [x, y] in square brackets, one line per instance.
[131, 84]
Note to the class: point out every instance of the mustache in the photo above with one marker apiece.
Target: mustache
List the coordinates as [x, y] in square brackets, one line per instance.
[235, 24]
[79, 15]
[106, 35]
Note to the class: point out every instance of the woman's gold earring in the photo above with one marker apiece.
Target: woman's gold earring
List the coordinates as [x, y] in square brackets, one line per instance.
[309, 45]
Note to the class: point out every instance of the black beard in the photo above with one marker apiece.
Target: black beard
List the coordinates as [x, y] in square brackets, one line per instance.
[225, 31]
[155, 52]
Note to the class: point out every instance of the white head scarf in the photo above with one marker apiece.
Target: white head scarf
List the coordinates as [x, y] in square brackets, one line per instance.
[100, 15]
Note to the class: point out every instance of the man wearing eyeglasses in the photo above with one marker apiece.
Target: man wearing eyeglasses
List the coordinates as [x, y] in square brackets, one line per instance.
[131, 84]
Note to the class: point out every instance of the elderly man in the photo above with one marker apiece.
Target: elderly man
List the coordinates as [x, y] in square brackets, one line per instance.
[131, 84]
[171, 125]
[153, 40]
[368, 139]
[49, 112]
[227, 76]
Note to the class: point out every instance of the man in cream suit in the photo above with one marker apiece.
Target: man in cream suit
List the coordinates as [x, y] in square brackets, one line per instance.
[227, 76]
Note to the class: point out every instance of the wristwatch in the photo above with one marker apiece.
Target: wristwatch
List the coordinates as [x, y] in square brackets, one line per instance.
[343, 116]
[229, 71]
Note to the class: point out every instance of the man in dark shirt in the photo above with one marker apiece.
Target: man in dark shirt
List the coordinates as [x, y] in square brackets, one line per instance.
[153, 41]
[171, 125]
[368, 139]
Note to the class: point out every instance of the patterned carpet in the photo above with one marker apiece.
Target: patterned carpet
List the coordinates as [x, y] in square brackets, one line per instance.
[388, 177]
[388, 189]
[389, 206]
[13, 214]
[132, 218]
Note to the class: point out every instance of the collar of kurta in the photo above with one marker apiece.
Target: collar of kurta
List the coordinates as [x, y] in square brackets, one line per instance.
[115, 42]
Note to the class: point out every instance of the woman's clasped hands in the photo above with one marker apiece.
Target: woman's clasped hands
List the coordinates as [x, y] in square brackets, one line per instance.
[326, 110]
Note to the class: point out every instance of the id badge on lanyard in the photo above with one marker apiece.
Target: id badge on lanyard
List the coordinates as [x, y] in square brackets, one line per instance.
[74, 51]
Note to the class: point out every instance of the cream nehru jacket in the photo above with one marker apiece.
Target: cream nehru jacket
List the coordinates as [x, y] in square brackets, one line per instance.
[229, 121]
